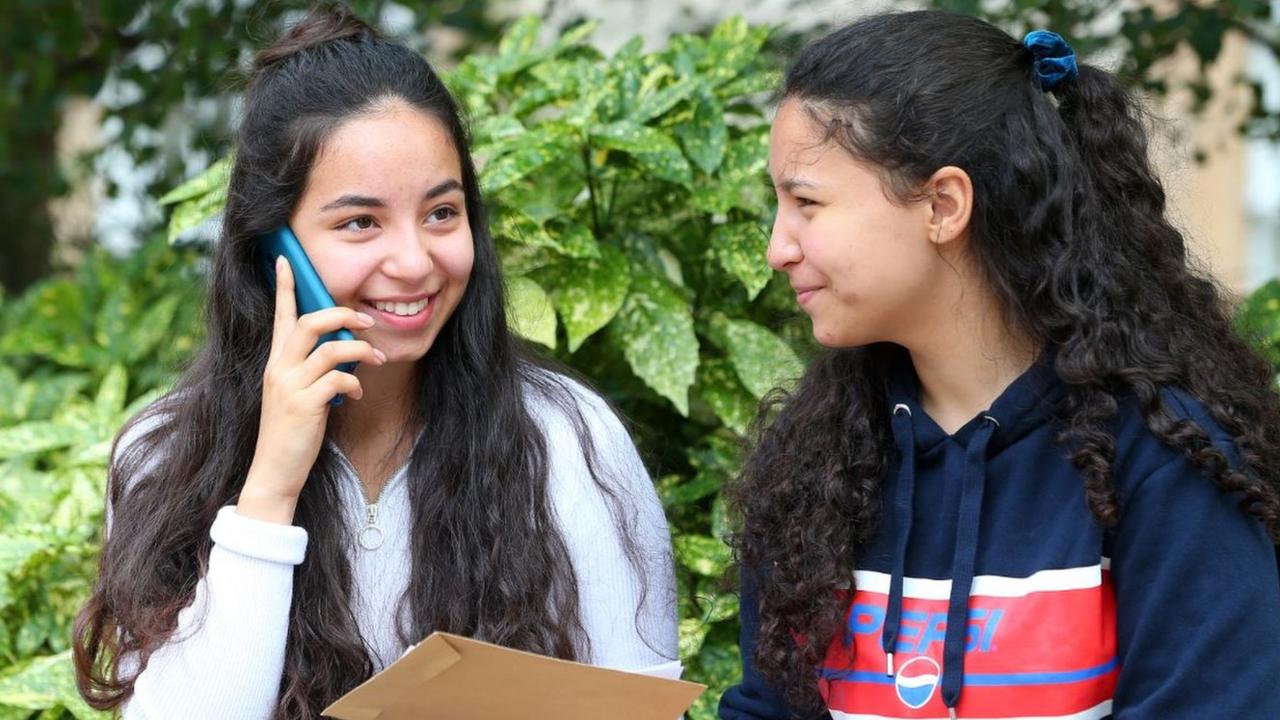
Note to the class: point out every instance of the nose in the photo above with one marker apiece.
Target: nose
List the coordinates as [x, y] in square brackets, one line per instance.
[408, 254]
[783, 250]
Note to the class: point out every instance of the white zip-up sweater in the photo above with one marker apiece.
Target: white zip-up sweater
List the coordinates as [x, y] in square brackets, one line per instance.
[226, 658]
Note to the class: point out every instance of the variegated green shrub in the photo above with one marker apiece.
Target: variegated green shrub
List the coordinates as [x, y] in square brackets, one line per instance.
[78, 357]
[1259, 319]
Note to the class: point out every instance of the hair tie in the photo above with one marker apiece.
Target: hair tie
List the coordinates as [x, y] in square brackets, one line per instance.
[1055, 61]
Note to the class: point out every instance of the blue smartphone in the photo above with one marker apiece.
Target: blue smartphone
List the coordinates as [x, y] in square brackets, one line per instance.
[309, 291]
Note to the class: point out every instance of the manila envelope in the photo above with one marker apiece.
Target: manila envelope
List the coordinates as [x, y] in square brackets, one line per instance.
[448, 677]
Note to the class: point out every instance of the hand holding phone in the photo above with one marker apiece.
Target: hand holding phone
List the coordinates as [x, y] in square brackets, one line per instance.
[298, 385]
[310, 294]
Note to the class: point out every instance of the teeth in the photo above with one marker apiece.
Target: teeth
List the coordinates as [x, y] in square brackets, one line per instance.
[403, 309]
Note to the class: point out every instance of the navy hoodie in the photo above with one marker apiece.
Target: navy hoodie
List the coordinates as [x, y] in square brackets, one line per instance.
[990, 591]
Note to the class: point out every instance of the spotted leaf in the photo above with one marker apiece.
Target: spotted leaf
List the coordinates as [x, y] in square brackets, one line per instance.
[655, 329]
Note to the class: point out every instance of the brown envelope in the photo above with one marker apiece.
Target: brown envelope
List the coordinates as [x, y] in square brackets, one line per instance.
[447, 677]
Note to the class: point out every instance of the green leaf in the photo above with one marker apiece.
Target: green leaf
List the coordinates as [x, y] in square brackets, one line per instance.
[113, 318]
[529, 311]
[740, 248]
[762, 360]
[743, 182]
[191, 213]
[720, 523]
[9, 410]
[1258, 319]
[657, 102]
[16, 551]
[517, 44]
[716, 606]
[111, 394]
[38, 397]
[527, 154]
[495, 128]
[675, 493]
[524, 259]
[706, 556]
[55, 323]
[653, 149]
[733, 44]
[750, 83]
[705, 136]
[552, 198]
[576, 241]
[720, 667]
[655, 329]
[46, 682]
[571, 240]
[473, 81]
[693, 632]
[153, 328]
[588, 292]
[718, 386]
[37, 437]
[214, 178]
[575, 36]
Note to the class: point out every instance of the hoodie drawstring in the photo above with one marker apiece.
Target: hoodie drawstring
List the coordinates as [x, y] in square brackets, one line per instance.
[966, 554]
[966, 549]
[905, 437]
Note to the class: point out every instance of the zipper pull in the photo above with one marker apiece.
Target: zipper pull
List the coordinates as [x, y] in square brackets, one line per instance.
[370, 536]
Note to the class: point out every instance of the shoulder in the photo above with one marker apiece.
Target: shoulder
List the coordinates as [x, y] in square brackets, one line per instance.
[568, 409]
[140, 449]
[1141, 453]
[590, 453]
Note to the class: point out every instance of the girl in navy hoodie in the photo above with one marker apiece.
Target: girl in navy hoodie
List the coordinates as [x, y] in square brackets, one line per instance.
[1036, 474]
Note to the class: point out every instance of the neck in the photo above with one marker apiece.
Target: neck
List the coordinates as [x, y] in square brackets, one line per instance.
[966, 355]
[378, 419]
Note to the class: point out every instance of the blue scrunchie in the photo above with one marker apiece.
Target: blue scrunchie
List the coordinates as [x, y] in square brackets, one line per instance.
[1055, 61]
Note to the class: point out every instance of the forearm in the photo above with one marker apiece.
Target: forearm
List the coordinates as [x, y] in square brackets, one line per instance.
[226, 657]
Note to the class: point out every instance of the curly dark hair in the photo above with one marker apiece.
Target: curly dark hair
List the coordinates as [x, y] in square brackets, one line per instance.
[1069, 231]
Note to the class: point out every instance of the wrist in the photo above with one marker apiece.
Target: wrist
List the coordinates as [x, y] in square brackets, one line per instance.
[263, 504]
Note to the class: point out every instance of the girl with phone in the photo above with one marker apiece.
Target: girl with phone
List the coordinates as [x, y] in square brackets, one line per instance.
[267, 551]
[1037, 473]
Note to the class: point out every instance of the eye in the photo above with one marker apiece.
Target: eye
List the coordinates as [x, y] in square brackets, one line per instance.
[444, 213]
[357, 224]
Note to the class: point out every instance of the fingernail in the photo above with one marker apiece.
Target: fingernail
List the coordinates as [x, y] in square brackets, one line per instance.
[279, 264]
[367, 320]
[382, 357]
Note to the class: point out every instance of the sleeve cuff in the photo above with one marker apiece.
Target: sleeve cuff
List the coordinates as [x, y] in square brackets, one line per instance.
[259, 539]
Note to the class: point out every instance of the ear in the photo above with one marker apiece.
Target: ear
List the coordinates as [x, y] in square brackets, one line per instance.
[950, 195]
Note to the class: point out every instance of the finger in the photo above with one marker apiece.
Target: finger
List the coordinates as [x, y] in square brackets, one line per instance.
[286, 306]
[335, 352]
[310, 327]
[332, 383]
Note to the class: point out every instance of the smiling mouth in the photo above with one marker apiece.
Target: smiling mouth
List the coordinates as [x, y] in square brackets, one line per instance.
[402, 309]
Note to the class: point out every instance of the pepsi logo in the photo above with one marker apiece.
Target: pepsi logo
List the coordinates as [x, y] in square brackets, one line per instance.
[916, 680]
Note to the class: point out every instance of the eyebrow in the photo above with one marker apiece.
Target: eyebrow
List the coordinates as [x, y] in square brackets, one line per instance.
[791, 184]
[366, 201]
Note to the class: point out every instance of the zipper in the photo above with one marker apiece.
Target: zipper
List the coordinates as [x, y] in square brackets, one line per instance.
[369, 537]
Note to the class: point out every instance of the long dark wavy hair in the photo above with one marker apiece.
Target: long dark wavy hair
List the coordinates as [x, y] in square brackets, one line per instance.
[1070, 233]
[487, 558]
